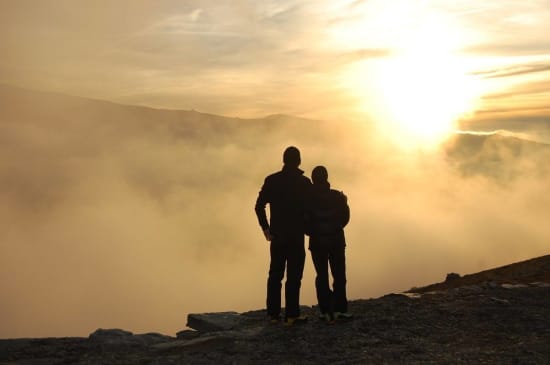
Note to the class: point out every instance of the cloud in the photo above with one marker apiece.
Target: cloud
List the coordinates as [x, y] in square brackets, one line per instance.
[195, 14]
[172, 52]
[121, 216]
[525, 88]
[535, 127]
[515, 70]
[525, 48]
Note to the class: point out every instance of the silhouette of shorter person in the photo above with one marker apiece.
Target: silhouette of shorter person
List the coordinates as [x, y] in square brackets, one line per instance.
[327, 213]
[285, 192]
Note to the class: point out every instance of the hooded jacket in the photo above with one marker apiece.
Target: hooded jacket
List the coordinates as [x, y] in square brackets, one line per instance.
[327, 213]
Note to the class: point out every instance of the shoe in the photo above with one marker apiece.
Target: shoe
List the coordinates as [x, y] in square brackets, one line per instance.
[343, 315]
[290, 321]
[274, 319]
[326, 317]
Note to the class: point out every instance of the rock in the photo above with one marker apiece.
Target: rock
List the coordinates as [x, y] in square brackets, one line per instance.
[411, 295]
[513, 286]
[452, 276]
[221, 321]
[472, 288]
[187, 335]
[498, 300]
[204, 343]
[540, 284]
[466, 322]
[152, 338]
[491, 284]
[494, 326]
[121, 337]
[111, 336]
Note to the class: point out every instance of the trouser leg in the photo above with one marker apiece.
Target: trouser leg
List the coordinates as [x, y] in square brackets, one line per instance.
[295, 269]
[324, 294]
[276, 274]
[337, 260]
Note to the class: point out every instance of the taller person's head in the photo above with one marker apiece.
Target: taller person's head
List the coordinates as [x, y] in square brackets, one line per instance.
[291, 157]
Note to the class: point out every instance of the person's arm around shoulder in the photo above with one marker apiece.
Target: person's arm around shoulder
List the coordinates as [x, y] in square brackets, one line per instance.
[345, 214]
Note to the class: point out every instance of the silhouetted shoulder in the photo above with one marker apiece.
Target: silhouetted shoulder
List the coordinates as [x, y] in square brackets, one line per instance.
[338, 196]
[274, 176]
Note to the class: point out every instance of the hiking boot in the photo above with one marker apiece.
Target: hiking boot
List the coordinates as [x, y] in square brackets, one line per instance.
[343, 315]
[326, 317]
[290, 321]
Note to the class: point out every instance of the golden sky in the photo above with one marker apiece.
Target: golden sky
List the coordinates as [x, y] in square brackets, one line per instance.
[416, 66]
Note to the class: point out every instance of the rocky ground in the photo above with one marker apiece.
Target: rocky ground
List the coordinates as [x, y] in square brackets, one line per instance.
[480, 322]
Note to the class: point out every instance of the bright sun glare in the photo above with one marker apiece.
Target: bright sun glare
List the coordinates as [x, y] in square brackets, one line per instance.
[418, 92]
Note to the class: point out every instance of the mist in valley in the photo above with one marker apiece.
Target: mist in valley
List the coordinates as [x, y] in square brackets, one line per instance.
[131, 217]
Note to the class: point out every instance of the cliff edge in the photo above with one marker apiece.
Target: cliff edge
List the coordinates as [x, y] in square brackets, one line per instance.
[498, 316]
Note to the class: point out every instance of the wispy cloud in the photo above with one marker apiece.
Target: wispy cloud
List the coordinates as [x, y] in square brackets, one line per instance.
[525, 48]
[171, 52]
[527, 88]
[515, 70]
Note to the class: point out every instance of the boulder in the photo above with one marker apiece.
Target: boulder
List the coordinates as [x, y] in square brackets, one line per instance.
[152, 338]
[452, 276]
[113, 336]
[117, 336]
[220, 321]
[187, 334]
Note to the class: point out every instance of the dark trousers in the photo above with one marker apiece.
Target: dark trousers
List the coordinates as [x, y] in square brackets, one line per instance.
[335, 300]
[287, 252]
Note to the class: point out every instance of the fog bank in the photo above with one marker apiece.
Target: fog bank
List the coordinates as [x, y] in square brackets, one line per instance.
[130, 217]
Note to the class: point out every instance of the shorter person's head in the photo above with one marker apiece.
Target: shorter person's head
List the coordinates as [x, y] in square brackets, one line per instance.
[319, 175]
[291, 157]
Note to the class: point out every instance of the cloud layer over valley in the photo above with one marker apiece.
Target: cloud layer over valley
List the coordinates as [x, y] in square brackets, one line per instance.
[123, 216]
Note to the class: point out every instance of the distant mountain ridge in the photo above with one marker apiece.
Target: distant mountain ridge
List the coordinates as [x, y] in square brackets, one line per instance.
[502, 159]
[10, 94]
[498, 157]
[69, 112]
[28, 104]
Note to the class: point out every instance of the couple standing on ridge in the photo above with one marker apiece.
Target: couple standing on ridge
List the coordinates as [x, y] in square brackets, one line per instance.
[298, 207]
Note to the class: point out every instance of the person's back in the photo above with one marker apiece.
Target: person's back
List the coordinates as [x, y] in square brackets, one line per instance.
[327, 213]
[285, 192]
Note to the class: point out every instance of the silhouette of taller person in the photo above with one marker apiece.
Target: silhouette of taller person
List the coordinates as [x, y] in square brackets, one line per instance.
[286, 192]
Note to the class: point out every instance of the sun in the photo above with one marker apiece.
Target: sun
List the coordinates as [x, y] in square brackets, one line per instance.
[421, 95]
[423, 85]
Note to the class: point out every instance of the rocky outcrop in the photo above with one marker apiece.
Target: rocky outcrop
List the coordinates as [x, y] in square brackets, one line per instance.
[483, 321]
[222, 321]
[531, 271]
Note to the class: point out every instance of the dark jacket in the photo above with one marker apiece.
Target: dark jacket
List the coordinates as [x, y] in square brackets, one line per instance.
[286, 192]
[327, 213]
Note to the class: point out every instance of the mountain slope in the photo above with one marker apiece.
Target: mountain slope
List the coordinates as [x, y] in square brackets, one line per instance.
[498, 157]
[524, 272]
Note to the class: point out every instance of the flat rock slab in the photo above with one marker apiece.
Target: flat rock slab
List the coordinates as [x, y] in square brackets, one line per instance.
[204, 343]
[220, 321]
[117, 336]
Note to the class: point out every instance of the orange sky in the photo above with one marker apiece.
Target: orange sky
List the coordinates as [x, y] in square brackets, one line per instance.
[415, 66]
